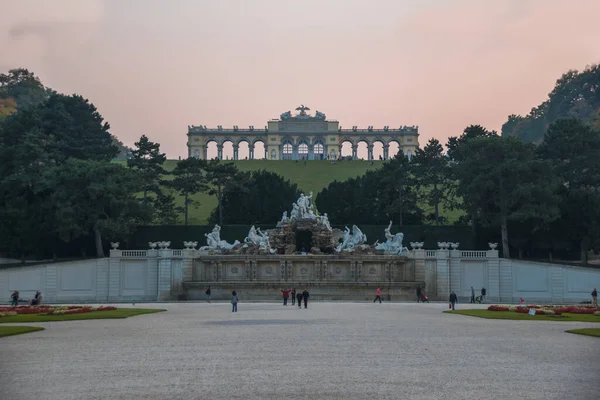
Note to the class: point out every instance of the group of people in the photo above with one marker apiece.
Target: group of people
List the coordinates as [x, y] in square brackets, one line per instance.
[37, 299]
[479, 299]
[296, 296]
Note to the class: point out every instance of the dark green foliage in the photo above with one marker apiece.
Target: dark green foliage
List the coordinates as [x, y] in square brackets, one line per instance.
[575, 95]
[377, 197]
[189, 178]
[221, 175]
[257, 197]
[148, 161]
[23, 87]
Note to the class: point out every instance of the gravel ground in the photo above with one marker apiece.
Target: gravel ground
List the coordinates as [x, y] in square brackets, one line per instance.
[328, 351]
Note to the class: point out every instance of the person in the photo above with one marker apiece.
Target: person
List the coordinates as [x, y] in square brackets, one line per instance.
[37, 299]
[418, 293]
[483, 292]
[293, 293]
[299, 298]
[472, 295]
[208, 293]
[14, 298]
[595, 297]
[424, 297]
[305, 296]
[286, 294]
[453, 299]
[234, 301]
[377, 295]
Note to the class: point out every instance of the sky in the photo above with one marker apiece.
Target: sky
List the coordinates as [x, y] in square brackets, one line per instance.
[154, 67]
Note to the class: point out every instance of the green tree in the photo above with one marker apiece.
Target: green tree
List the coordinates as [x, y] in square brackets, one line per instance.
[220, 175]
[503, 180]
[398, 188]
[92, 197]
[23, 87]
[257, 197]
[189, 178]
[573, 147]
[434, 177]
[148, 161]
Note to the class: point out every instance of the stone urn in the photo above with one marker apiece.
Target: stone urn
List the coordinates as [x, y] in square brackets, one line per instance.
[493, 246]
[420, 245]
[114, 245]
[454, 246]
[152, 245]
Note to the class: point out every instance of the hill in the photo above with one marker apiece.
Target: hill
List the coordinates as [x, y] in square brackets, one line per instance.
[313, 176]
[576, 94]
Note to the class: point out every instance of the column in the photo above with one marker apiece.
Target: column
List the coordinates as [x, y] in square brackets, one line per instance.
[235, 151]
[354, 148]
[220, 151]
[205, 152]
[493, 294]
[443, 274]
[294, 152]
[386, 149]
[311, 152]
[370, 151]
[251, 152]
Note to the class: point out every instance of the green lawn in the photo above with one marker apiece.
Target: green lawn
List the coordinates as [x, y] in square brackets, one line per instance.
[315, 176]
[519, 316]
[18, 330]
[118, 313]
[586, 331]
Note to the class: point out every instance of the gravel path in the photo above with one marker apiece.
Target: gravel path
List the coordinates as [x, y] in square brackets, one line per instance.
[328, 351]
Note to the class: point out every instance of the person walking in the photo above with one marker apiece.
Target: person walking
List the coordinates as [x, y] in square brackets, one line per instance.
[234, 300]
[305, 296]
[483, 293]
[286, 295]
[595, 297]
[453, 299]
[14, 298]
[299, 298]
[472, 295]
[418, 293]
[377, 295]
[208, 293]
[293, 294]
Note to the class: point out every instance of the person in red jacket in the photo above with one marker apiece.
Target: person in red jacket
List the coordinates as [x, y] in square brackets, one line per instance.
[377, 295]
[286, 296]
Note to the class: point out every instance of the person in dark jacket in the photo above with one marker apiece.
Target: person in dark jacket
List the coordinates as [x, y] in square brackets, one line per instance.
[418, 293]
[234, 301]
[14, 298]
[453, 299]
[208, 293]
[286, 295]
[472, 295]
[483, 293]
[305, 296]
[37, 299]
[595, 297]
[293, 294]
[299, 298]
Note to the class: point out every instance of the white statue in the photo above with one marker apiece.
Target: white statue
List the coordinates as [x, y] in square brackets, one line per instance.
[286, 115]
[265, 244]
[393, 243]
[324, 220]
[351, 241]
[305, 207]
[295, 214]
[319, 115]
[253, 237]
[214, 242]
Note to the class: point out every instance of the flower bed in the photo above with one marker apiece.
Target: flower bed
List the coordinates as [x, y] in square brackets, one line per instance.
[51, 310]
[547, 309]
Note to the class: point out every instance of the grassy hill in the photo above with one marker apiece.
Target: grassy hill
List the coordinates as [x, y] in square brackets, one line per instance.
[313, 176]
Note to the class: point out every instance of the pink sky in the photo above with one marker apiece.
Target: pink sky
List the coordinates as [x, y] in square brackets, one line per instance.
[154, 67]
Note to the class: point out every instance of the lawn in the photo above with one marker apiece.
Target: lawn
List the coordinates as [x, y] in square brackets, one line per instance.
[566, 317]
[18, 330]
[586, 331]
[315, 176]
[118, 313]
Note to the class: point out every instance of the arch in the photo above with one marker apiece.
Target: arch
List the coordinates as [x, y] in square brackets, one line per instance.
[259, 139]
[289, 139]
[243, 152]
[346, 148]
[211, 149]
[347, 139]
[303, 149]
[227, 149]
[362, 149]
[394, 148]
[287, 149]
[378, 146]
[316, 139]
[260, 150]
[319, 149]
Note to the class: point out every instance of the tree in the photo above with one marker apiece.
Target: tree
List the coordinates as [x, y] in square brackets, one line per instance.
[220, 175]
[503, 180]
[433, 176]
[189, 178]
[8, 107]
[23, 87]
[257, 197]
[147, 159]
[397, 184]
[92, 197]
[572, 148]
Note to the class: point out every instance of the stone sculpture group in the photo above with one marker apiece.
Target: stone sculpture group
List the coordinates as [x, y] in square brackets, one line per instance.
[304, 217]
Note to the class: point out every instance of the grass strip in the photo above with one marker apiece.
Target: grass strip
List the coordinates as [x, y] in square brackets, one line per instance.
[18, 330]
[118, 313]
[566, 317]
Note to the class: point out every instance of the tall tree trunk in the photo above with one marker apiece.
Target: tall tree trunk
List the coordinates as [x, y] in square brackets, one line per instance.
[220, 205]
[504, 231]
[584, 252]
[98, 240]
[186, 208]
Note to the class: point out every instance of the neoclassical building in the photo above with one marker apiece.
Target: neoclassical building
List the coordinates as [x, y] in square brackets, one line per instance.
[301, 137]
